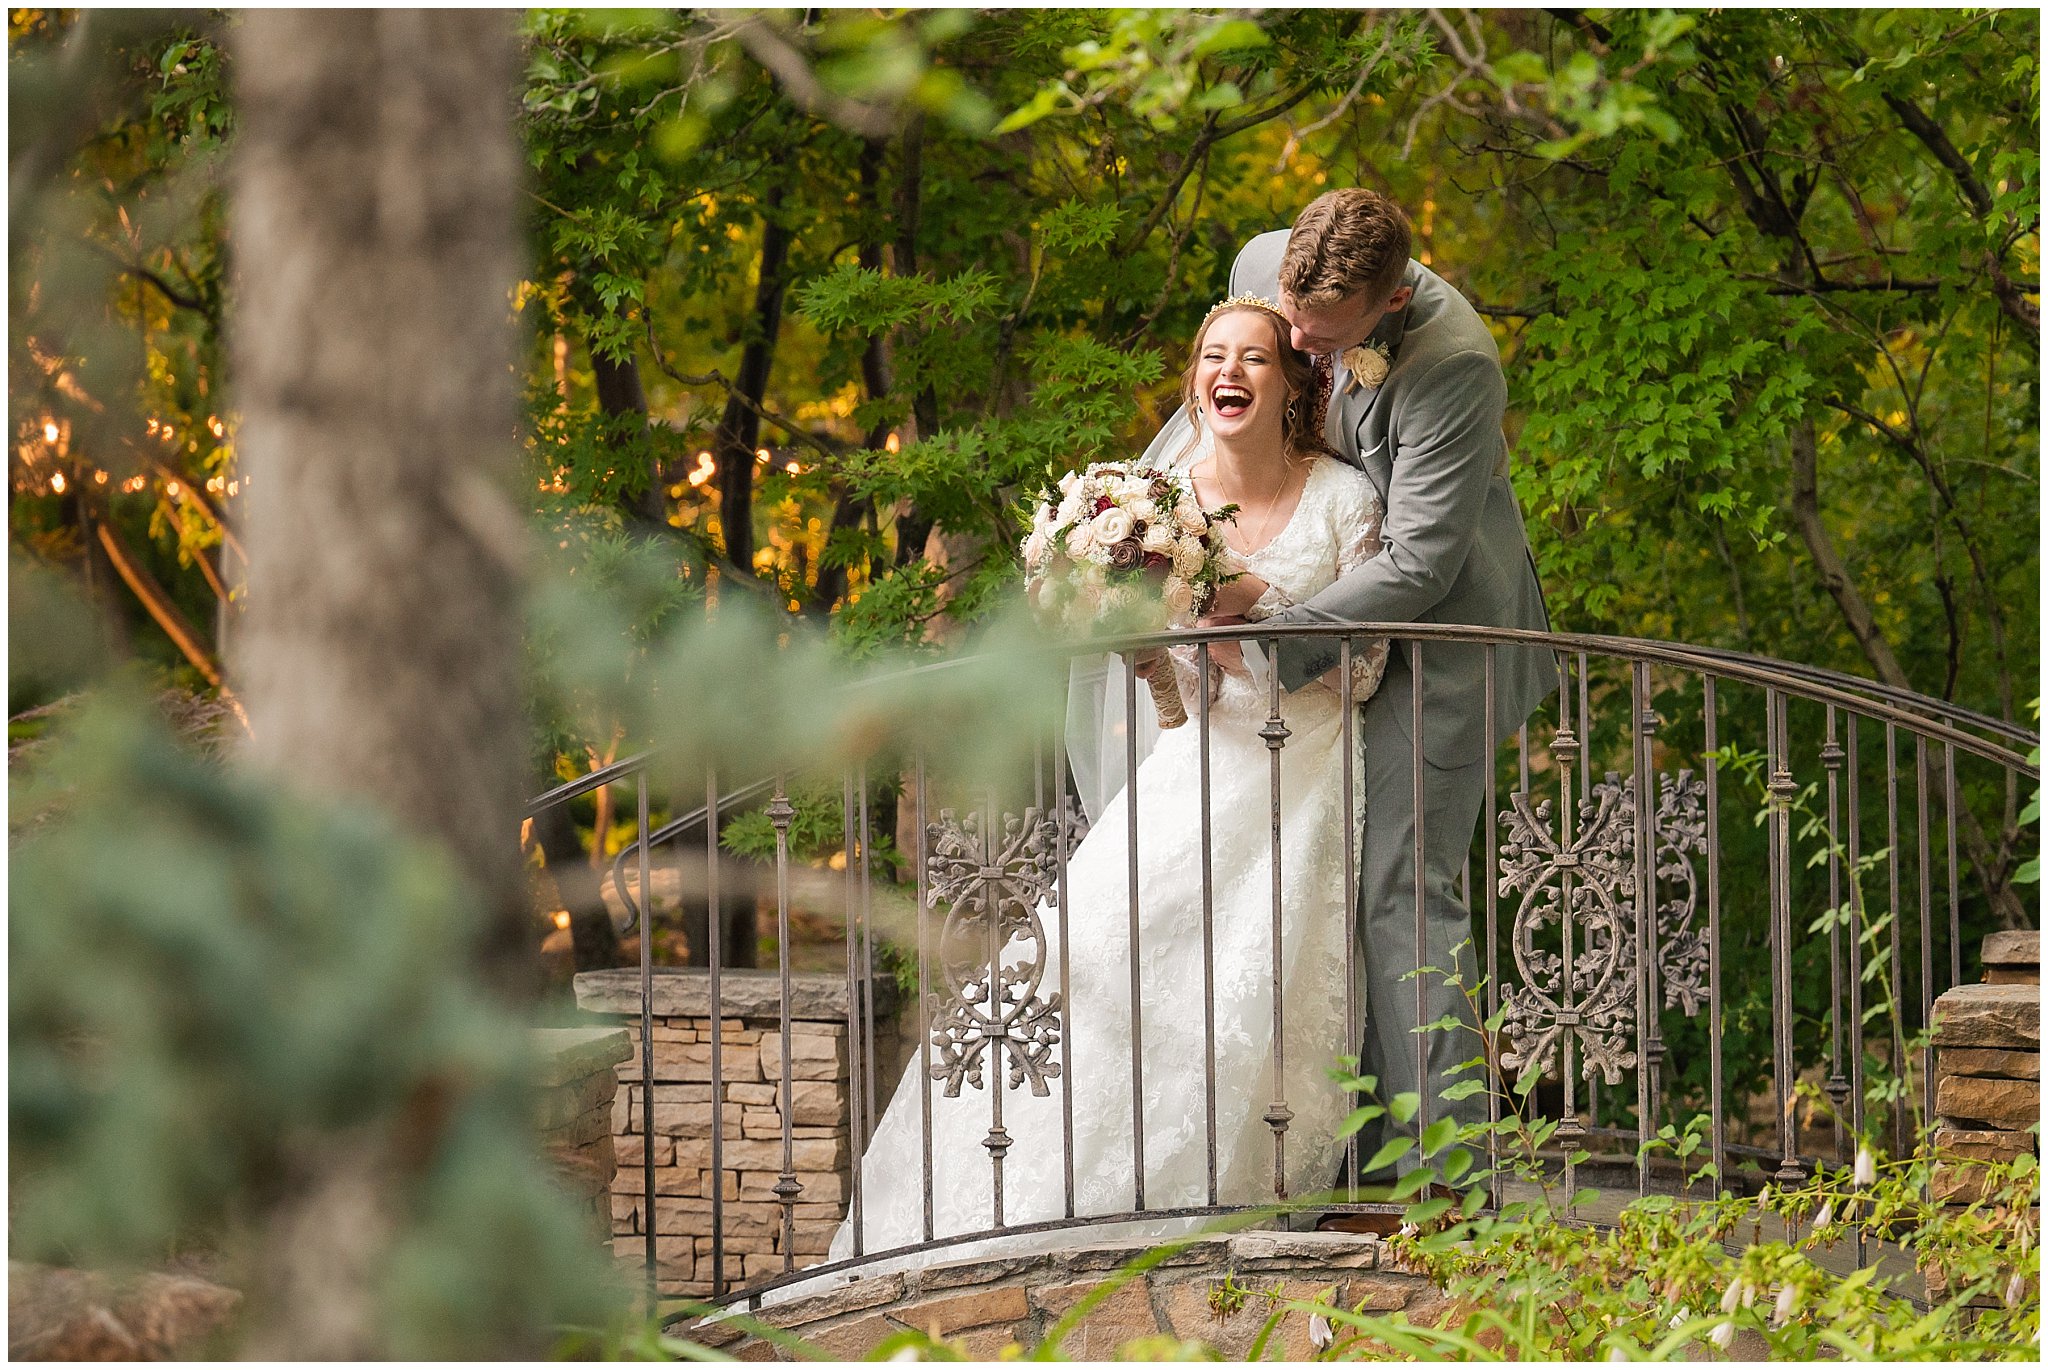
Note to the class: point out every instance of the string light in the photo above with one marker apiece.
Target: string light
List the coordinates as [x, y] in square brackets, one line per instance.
[894, 444]
[562, 918]
[220, 430]
[99, 478]
[51, 432]
[172, 489]
[57, 481]
[795, 470]
[234, 488]
[761, 455]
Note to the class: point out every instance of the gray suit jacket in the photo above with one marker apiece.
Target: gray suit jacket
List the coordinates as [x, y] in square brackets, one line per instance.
[1429, 438]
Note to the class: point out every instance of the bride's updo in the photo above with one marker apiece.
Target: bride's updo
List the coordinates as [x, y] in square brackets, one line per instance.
[1301, 426]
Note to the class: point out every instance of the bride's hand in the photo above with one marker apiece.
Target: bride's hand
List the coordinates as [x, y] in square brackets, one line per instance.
[1226, 656]
[1234, 598]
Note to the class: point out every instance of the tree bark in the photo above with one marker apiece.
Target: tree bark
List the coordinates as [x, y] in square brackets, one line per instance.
[739, 428]
[1834, 572]
[620, 394]
[913, 529]
[375, 205]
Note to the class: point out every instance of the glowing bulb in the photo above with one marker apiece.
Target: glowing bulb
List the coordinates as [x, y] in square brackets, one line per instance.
[57, 482]
[215, 485]
[50, 431]
[561, 918]
[795, 469]
[234, 488]
[170, 434]
[172, 489]
[699, 476]
[894, 444]
[220, 430]
[153, 426]
[761, 455]
[99, 478]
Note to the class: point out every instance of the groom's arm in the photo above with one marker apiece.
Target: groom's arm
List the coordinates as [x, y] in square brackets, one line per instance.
[1451, 441]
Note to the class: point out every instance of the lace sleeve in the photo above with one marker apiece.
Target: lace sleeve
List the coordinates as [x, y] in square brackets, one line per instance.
[1359, 517]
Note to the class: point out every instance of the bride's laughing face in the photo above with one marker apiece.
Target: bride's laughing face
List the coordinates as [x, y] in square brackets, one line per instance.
[1239, 381]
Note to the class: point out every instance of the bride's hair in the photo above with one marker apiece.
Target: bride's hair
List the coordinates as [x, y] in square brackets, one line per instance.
[1301, 425]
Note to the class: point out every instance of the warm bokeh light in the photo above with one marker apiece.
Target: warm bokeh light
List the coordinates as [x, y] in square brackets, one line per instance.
[894, 444]
[172, 489]
[99, 478]
[57, 482]
[761, 455]
[562, 918]
[50, 431]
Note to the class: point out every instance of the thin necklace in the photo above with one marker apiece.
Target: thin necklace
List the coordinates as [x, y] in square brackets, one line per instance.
[1258, 544]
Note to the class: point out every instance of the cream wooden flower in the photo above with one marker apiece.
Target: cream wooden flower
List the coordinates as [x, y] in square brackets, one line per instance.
[1368, 364]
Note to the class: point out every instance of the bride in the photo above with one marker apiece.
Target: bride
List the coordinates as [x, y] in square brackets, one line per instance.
[1303, 519]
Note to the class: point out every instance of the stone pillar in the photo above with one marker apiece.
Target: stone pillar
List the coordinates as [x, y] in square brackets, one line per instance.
[1987, 1075]
[749, 1114]
[577, 1086]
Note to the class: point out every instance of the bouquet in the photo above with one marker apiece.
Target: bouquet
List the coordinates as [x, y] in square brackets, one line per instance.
[1125, 546]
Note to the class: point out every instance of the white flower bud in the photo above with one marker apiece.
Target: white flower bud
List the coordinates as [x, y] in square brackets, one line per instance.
[2015, 1288]
[1723, 1335]
[1826, 1214]
[1319, 1334]
[1732, 1298]
[1179, 597]
[1788, 1302]
[1866, 1167]
[1616, 1353]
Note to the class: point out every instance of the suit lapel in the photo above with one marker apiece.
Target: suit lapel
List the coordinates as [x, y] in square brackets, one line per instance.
[1373, 458]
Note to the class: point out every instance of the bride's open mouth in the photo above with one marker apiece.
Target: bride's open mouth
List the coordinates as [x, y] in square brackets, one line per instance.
[1230, 400]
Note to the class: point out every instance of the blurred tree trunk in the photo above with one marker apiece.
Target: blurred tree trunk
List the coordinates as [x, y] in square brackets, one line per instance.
[375, 212]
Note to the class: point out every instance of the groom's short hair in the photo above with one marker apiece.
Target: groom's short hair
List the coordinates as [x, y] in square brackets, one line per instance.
[1346, 242]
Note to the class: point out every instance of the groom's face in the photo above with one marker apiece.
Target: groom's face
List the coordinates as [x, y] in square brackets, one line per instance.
[1322, 329]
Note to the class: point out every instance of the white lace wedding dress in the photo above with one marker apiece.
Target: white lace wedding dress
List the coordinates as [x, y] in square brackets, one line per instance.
[1335, 526]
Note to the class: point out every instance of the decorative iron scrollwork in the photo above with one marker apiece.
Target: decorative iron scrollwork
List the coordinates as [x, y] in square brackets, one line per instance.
[992, 950]
[1596, 1002]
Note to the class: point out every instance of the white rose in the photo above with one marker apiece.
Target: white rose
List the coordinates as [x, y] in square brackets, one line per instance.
[1069, 510]
[1142, 508]
[1035, 548]
[1188, 515]
[1158, 538]
[1367, 365]
[1042, 516]
[1179, 597]
[1069, 481]
[1080, 542]
[1113, 525]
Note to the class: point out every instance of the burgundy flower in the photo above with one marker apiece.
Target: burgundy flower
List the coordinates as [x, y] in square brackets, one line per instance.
[1155, 559]
[1103, 502]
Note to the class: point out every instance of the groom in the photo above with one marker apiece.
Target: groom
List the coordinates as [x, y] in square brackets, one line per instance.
[1423, 422]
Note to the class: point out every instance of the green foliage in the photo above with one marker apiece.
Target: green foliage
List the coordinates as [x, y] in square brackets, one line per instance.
[211, 985]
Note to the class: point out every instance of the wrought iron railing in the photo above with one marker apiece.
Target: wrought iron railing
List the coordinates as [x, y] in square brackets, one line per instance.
[1674, 834]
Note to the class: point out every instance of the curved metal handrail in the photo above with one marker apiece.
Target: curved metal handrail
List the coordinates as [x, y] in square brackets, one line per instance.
[675, 827]
[1765, 672]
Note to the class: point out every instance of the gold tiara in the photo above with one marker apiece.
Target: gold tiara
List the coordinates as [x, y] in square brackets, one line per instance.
[1238, 301]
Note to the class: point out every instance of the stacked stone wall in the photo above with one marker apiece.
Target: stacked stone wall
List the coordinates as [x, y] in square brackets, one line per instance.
[749, 1113]
[1987, 1080]
[577, 1087]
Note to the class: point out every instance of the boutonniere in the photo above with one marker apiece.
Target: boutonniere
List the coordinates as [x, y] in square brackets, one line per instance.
[1368, 364]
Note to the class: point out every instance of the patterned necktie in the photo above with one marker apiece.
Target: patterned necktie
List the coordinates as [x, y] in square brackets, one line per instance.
[1326, 381]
